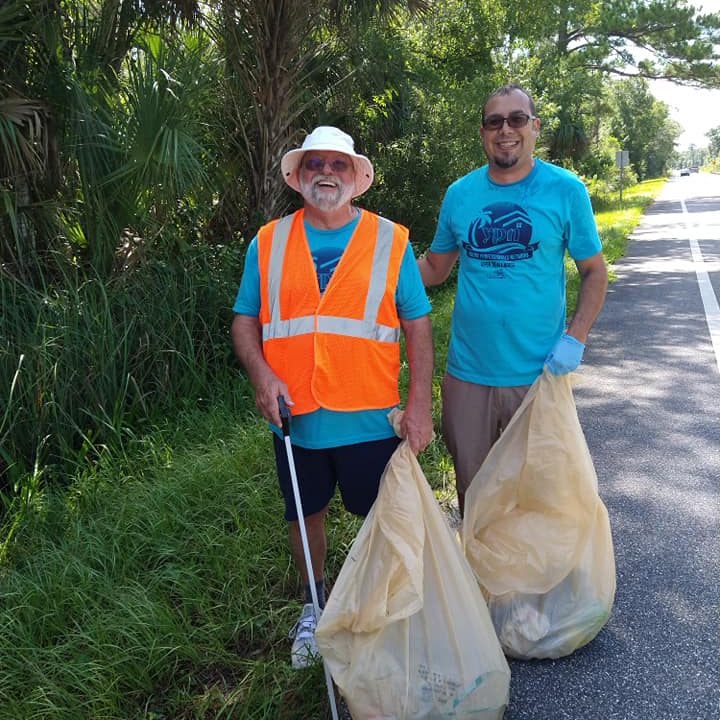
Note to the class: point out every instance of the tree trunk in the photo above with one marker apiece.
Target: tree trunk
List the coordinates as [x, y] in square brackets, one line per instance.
[264, 41]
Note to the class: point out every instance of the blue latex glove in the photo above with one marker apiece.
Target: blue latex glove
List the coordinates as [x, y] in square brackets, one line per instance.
[565, 356]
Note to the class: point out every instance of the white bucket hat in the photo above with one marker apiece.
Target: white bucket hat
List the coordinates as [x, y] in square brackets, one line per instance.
[326, 137]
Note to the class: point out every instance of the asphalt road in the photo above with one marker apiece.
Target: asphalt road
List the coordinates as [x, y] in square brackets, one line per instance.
[649, 402]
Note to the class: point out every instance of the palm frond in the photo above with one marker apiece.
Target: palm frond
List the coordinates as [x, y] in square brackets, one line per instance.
[23, 138]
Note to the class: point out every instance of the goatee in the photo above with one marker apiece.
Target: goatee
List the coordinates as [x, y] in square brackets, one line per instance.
[505, 162]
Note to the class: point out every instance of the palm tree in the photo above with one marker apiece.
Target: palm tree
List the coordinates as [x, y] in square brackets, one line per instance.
[25, 131]
[275, 52]
[138, 149]
[62, 66]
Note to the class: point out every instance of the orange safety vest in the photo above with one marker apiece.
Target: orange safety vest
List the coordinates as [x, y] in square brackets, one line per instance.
[341, 350]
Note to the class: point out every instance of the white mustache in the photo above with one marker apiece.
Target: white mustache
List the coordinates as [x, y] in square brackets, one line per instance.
[325, 179]
[326, 192]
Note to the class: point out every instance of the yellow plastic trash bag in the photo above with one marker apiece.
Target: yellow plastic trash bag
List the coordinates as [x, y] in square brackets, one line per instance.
[405, 632]
[536, 533]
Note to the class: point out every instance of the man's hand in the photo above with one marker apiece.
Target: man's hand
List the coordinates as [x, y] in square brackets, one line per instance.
[268, 387]
[245, 333]
[416, 428]
[565, 356]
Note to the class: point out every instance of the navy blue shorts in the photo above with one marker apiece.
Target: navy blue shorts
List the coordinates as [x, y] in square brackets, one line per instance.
[357, 469]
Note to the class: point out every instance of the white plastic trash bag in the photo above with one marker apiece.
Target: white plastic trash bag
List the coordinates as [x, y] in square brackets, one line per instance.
[536, 533]
[405, 632]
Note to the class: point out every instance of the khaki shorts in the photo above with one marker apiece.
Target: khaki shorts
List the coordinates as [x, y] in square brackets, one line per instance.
[473, 418]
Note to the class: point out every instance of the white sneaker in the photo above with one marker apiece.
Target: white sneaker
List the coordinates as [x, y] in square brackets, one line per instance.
[304, 652]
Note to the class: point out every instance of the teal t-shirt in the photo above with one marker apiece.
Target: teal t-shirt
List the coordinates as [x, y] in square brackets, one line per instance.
[328, 428]
[510, 302]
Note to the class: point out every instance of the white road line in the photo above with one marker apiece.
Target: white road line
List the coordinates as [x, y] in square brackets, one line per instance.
[710, 303]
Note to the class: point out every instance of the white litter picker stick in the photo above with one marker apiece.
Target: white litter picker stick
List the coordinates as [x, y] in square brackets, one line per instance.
[285, 418]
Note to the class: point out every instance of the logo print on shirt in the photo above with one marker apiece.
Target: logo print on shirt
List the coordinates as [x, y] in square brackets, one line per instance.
[326, 260]
[500, 234]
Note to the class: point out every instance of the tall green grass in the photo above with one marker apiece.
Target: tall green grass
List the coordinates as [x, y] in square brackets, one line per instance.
[82, 361]
[160, 590]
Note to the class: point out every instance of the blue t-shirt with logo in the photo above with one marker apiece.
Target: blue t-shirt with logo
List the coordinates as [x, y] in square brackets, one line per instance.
[510, 302]
[329, 428]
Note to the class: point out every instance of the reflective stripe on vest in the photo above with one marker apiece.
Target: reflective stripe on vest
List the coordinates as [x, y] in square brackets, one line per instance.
[367, 328]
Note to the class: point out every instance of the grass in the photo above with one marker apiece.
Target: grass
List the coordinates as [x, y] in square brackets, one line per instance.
[159, 584]
[160, 589]
[86, 358]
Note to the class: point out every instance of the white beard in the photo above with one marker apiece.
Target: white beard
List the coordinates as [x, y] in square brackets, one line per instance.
[326, 198]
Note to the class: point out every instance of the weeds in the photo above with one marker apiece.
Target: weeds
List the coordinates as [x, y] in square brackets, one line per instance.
[159, 597]
[83, 359]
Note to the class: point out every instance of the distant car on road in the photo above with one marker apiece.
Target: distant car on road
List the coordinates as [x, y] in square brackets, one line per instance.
[684, 171]
[694, 169]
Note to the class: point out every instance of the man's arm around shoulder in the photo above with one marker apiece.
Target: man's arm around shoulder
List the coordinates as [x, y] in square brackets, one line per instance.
[435, 267]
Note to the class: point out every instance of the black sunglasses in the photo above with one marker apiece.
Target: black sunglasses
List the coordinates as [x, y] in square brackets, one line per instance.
[315, 163]
[514, 120]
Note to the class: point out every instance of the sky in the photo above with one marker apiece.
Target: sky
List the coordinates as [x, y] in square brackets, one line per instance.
[696, 110]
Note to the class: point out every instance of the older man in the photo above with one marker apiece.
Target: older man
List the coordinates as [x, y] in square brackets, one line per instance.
[324, 294]
[510, 222]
